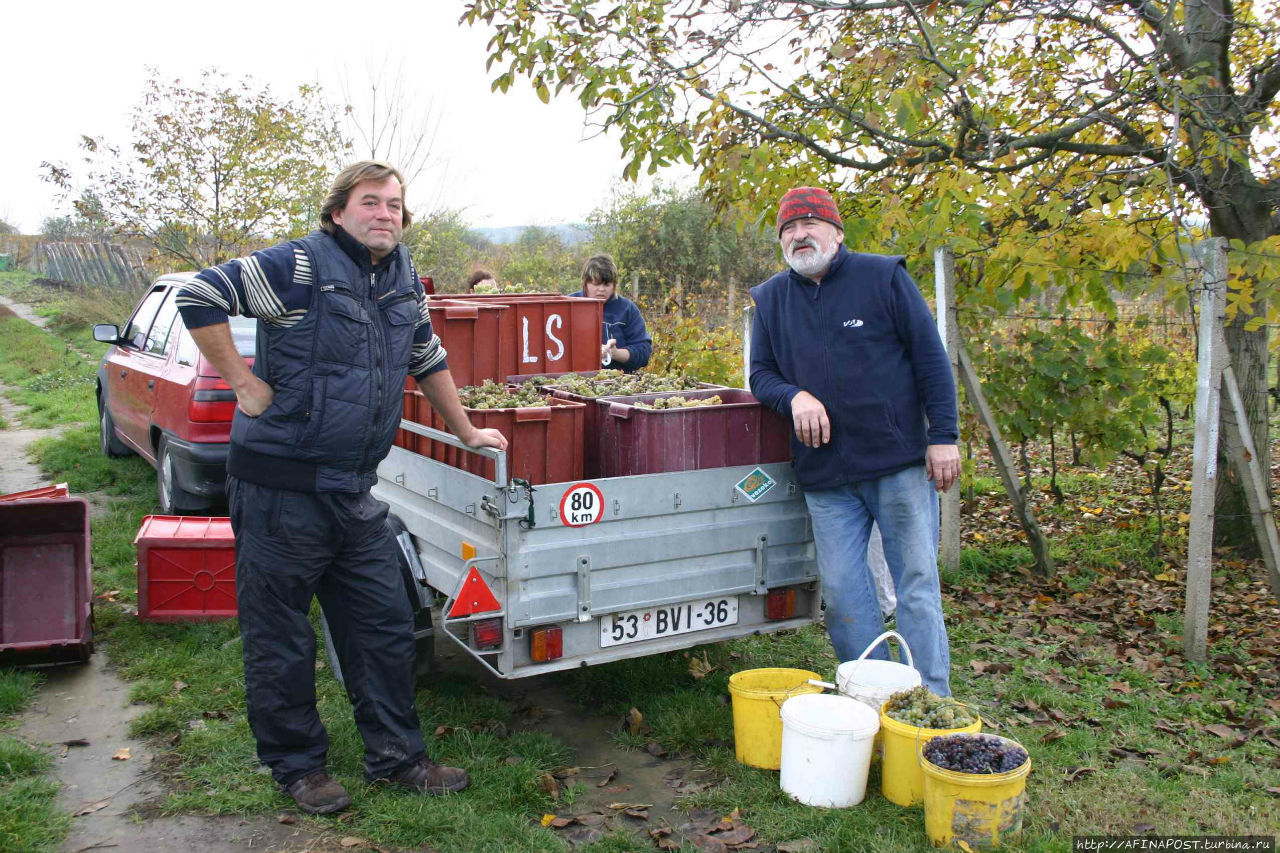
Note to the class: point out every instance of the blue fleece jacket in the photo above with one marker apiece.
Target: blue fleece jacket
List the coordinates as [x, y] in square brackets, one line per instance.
[864, 343]
[624, 323]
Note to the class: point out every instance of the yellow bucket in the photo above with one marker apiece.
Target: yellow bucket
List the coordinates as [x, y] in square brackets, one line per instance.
[901, 779]
[758, 695]
[980, 809]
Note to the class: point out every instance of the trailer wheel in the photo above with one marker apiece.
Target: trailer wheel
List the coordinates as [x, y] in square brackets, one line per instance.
[423, 631]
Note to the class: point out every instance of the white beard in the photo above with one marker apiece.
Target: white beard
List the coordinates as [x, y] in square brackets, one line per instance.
[812, 263]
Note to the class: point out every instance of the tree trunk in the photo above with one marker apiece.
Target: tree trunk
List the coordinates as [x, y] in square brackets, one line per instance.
[1245, 218]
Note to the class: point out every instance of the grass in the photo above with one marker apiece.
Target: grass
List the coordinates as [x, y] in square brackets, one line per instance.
[1085, 671]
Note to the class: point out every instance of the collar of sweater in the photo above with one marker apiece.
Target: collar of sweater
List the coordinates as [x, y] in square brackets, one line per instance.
[359, 252]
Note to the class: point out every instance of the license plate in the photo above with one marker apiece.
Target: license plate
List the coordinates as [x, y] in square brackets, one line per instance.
[667, 621]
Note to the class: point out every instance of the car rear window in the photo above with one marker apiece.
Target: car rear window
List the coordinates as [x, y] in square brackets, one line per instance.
[244, 330]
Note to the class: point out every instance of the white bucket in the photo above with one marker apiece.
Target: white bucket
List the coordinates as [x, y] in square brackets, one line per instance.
[872, 681]
[826, 749]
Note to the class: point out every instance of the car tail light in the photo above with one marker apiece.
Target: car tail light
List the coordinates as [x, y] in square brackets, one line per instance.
[780, 604]
[546, 643]
[212, 401]
[486, 634]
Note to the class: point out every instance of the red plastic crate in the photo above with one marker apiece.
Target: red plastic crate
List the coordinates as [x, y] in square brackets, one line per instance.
[59, 490]
[471, 333]
[538, 333]
[46, 605]
[740, 431]
[186, 569]
[544, 443]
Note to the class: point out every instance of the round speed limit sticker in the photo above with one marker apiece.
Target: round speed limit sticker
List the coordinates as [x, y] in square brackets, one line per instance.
[581, 505]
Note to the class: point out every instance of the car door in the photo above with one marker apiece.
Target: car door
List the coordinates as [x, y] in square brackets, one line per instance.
[130, 371]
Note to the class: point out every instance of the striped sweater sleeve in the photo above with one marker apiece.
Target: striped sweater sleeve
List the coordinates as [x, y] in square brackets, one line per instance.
[428, 355]
[273, 285]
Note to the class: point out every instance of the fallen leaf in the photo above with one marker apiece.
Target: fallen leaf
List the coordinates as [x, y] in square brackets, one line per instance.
[122, 754]
[287, 819]
[739, 834]
[613, 774]
[700, 667]
[1223, 731]
[1167, 577]
[655, 749]
[92, 807]
[179, 686]
[547, 818]
[983, 667]
[1074, 773]
[565, 772]
[560, 822]
[585, 835]
[708, 844]
[642, 814]
[548, 785]
[1274, 791]
[444, 731]
[1052, 735]
[623, 806]
[1121, 687]
[351, 841]
[1141, 828]
[617, 789]
[800, 845]
[79, 741]
[635, 723]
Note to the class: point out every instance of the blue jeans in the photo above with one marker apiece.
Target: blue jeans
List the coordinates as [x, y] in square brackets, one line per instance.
[905, 505]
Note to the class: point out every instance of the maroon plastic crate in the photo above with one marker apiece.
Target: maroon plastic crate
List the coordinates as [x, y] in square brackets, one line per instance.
[46, 591]
[740, 431]
[544, 443]
[186, 569]
[591, 418]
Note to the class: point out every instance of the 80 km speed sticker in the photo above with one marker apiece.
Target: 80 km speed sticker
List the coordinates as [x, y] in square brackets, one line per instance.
[583, 504]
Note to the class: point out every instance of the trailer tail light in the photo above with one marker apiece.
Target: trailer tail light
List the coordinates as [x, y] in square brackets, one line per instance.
[780, 604]
[212, 401]
[546, 643]
[486, 634]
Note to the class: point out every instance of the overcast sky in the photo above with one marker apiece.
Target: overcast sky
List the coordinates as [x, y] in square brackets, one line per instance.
[72, 68]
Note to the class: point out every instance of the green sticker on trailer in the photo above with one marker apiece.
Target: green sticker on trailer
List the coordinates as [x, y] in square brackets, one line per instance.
[755, 485]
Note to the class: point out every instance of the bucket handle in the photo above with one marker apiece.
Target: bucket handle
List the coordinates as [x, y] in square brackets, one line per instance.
[791, 692]
[886, 635]
[825, 685]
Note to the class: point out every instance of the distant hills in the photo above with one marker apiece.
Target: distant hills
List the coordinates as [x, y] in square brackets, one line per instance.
[570, 235]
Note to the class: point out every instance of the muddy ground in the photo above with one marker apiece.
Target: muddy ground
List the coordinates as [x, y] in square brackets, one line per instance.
[90, 704]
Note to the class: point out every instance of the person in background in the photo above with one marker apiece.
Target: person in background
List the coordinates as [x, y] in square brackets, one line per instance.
[484, 280]
[342, 319]
[844, 345]
[625, 342]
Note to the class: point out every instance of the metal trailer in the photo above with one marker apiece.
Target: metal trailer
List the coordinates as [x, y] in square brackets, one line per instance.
[624, 566]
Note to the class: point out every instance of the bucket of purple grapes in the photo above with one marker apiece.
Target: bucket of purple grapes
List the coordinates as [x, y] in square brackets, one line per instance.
[975, 789]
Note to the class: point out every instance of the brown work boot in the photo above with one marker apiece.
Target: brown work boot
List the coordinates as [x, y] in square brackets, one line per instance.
[425, 775]
[318, 793]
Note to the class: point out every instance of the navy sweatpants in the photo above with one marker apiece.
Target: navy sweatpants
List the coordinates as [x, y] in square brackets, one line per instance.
[291, 546]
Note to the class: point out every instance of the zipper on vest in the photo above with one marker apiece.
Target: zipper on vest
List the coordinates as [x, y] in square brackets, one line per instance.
[376, 340]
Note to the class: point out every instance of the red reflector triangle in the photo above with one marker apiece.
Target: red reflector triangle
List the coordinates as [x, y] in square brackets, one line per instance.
[474, 597]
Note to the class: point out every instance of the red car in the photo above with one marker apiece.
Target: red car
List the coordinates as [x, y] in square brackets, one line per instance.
[158, 397]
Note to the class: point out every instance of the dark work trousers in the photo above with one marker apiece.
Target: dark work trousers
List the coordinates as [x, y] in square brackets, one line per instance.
[336, 546]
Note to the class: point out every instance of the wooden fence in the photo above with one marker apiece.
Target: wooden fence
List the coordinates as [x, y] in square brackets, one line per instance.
[92, 263]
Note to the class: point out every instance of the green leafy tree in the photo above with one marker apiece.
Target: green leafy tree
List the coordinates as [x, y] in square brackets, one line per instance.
[442, 246]
[539, 262]
[1048, 143]
[668, 232]
[213, 170]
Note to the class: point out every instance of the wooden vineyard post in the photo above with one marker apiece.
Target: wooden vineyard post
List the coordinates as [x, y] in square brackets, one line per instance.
[748, 318]
[1214, 374]
[944, 278]
[679, 297]
[1204, 454]
[1004, 462]
[733, 286]
[635, 286]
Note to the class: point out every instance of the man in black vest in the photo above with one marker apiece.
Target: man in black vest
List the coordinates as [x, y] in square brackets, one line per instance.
[342, 319]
